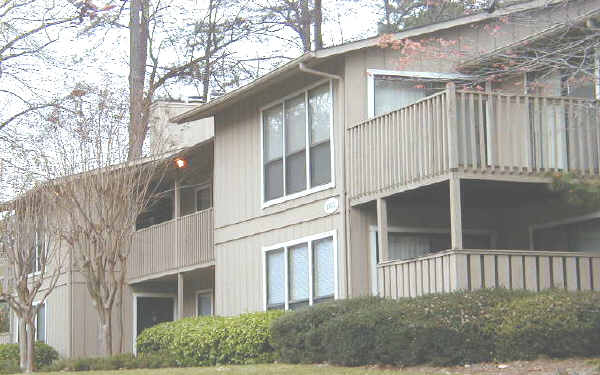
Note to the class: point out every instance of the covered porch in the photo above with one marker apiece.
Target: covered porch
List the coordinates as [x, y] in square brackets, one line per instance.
[172, 297]
[467, 234]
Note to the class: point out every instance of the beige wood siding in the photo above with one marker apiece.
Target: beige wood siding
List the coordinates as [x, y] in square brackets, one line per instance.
[182, 242]
[239, 270]
[238, 164]
[476, 269]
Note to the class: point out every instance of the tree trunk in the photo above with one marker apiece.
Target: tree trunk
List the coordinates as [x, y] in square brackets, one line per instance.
[208, 52]
[305, 15]
[138, 50]
[318, 23]
[22, 343]
[107, 332]
[29, 367]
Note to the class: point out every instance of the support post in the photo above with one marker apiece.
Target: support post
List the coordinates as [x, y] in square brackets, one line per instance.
[180, 295]
[452, 125]
[176, 200]
[456, 233]
[382, 230]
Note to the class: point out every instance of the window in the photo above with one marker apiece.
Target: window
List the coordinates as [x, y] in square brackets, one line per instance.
[390, 90]
[301, 273]
[204, 303]
[40, 323]
[297, 149]
[37, 250]
[203, 198]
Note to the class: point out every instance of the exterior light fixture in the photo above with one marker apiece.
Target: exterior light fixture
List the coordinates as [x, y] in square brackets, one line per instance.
[181, 163]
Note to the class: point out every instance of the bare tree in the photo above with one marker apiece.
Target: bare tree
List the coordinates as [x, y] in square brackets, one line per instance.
[401, 14]
[29, 30]
[296, 16]
[98, 194]
[30, 242]
[202, 53]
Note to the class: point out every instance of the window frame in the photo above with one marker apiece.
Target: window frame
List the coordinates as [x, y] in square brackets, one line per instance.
[309, 190]
[198, 188]
[37, 267]
[372, 73]
[209, 292]
[285, 245]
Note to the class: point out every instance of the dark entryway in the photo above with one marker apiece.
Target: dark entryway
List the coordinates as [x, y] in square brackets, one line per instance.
[153, 310]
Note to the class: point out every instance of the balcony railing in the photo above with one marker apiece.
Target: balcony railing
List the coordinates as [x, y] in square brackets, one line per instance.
[454, 270]
[472, 132]
[180, 243]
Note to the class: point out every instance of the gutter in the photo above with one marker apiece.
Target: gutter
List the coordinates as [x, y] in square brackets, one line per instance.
[304, 68]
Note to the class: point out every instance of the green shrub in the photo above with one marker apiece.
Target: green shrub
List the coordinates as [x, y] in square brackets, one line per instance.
[207, 341]
[9, 367]
[44, 354]
[444, 329]
[557, 324]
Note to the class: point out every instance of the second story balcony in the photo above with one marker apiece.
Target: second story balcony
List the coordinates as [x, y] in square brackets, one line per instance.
[478, 133]
[175, 234]
[178, 244]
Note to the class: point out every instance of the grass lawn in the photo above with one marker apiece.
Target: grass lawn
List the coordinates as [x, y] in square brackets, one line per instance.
[256, 369]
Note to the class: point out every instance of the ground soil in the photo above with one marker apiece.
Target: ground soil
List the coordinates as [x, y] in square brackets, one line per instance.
[537, 367]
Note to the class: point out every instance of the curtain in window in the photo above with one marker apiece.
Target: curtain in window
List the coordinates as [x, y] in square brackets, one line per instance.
[275, 278]
[203, 199]
[392, 94]
[204, 304]
[405, 246]
[323, 274]
[41, 323]
[273, 152]
[295, 145]
[319, 110]
[298, 272]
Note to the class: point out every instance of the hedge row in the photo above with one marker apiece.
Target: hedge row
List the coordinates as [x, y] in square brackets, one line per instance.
[9, 356]
[442, 329]
[208, 341]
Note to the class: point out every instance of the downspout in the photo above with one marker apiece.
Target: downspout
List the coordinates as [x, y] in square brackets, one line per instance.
[346, 212]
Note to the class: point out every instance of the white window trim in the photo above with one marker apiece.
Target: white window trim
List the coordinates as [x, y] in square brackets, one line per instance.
[407, 229]
[37, 258]
[203, 186]
[211, 293]
[265, 204]
[372, 73]
[285, 246]
[149, 294]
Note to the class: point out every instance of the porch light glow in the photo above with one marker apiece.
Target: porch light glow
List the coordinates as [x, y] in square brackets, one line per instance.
[181, 163]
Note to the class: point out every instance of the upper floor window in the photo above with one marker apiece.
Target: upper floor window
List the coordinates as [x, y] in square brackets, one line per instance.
[203, 198]
[389, 90]
[300, 273]
[297, 149]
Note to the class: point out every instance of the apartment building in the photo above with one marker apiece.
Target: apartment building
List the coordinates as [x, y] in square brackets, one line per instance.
[346, 173]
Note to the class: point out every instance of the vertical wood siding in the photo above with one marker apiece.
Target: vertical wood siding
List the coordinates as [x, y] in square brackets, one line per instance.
[476, 269]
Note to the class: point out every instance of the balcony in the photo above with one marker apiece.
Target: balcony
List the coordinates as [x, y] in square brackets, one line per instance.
[179, 244]
[454, 270]
[477, 133]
